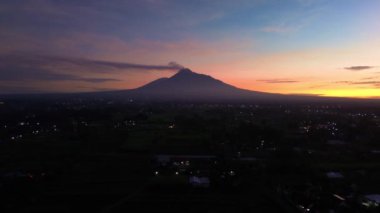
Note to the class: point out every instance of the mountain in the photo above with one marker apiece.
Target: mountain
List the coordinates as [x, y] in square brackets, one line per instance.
[187, 85]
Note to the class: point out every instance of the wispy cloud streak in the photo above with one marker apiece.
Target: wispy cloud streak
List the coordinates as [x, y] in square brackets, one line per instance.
[38, 60]
[375, 84]
[358, 68]
[58, 68]
[278, 81]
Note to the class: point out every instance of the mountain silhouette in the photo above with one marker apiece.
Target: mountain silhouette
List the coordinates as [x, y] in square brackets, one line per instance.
[189, 86]
[192, 86]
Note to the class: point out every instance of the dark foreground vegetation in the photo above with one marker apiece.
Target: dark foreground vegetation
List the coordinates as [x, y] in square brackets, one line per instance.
[104, 156]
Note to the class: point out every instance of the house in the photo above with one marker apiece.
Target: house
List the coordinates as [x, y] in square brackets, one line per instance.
[201, 182]
[334, 175]
[371, 201]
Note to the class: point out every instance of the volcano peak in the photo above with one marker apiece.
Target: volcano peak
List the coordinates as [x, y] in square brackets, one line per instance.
[185, 72]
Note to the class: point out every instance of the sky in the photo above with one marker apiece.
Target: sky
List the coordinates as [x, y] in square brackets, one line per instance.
[319, 47]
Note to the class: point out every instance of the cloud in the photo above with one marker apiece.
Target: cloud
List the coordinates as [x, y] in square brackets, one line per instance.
[93, 80]
[358, 68]
[286, 24]
[42, 60]
[175, 64]
[278, 81]
[276, 29]
[370, 78]
[318, 86]
[19, 73]
[96, 88]
[13, 89]
[110, 64]
[56, 68]
[375, 84]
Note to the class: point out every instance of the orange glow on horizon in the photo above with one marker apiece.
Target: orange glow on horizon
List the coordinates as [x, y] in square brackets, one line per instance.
[309, 88]
[363, 93]
[350, 93]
